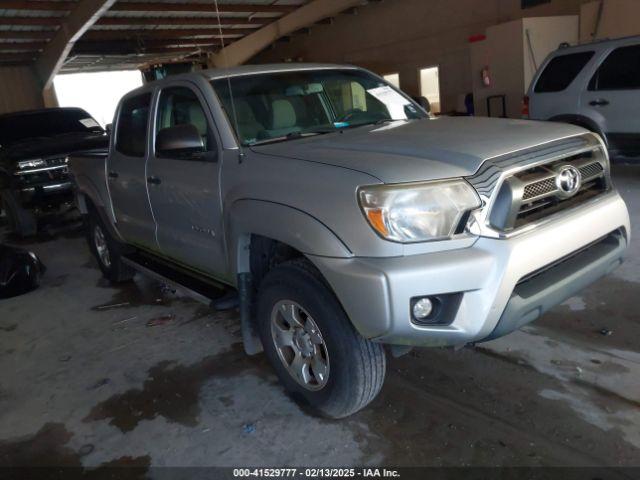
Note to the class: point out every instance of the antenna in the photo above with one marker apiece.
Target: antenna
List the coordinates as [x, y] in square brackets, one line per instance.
[233, 103]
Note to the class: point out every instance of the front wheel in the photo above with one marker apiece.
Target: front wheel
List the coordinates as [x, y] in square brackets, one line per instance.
[316, 353]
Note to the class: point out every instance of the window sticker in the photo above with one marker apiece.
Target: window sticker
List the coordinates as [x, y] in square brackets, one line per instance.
[393, 101]
[89, 122]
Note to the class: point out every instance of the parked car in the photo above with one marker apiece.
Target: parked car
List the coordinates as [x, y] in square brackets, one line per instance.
[595, 86]
[347, 217]
[34, 148]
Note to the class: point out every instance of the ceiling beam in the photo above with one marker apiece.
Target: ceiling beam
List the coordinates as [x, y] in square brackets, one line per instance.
[80, 19]
[44, 5]
[163, 33]
[25, 35]
[155, 42]
[180, 21]
[17, 58]
[242, 50]
[37, 5]
[199, 7]
[26, 46]
[129, 48]
[132, 50]
[53, 21]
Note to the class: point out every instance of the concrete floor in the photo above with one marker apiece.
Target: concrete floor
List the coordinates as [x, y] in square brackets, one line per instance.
[85, 379]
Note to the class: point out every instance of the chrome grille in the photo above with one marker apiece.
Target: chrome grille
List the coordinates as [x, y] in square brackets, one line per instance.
[539, 188]
[488, 176]
[531, 193]
[547, 186]
[591, 170]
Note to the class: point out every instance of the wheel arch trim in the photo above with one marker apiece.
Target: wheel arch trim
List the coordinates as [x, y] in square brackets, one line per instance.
[279, 222]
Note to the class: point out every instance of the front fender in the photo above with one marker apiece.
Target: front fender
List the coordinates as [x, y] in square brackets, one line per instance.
[279, 222]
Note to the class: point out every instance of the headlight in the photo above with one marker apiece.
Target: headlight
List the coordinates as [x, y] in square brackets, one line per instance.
[417, 212]
[38, 162]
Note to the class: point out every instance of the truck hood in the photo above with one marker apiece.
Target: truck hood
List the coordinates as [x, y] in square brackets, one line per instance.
[418, 150]
[55, 145]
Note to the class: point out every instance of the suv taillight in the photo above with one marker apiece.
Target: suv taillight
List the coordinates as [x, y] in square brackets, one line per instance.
[525, 106]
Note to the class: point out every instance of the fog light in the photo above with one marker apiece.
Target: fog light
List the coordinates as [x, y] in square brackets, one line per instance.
[422, 308]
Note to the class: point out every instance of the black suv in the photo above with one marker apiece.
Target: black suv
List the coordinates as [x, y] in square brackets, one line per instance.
[34, 146]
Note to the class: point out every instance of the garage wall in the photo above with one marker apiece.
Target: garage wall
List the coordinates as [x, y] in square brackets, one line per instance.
[502, 53]
[406, 35]
[618, 18]
[19, 90]
[512, 52]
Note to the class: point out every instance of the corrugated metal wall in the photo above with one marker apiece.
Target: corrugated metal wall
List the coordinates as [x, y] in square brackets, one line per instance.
[19, 90]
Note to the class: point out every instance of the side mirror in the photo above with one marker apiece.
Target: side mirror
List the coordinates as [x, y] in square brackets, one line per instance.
[109, 128]
[181, 140]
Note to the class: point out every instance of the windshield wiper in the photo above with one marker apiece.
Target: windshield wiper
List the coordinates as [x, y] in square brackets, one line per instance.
[289, 136]
[373, 122]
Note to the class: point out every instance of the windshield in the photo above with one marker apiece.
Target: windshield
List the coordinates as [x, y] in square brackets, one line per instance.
[17, 127]
[281, 106]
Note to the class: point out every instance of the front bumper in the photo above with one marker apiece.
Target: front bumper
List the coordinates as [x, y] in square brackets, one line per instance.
[376, 292]
[45, 195]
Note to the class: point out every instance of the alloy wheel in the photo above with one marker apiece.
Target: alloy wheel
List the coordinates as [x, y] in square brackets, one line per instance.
[102, 248]
[300, 345]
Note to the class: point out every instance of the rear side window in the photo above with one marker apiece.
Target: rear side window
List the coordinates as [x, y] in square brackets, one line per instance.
[561, 71]
[132, 126]
[620, 70]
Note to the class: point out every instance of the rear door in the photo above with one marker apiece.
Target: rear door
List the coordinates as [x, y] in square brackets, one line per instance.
[126, 172]
[613, 95]
[184, 190]
[556, 89]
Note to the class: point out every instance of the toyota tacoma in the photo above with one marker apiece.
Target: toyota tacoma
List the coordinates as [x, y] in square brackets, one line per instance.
[346, 217]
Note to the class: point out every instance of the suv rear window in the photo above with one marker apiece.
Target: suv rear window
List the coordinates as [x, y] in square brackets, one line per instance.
[132, 126]
[619, 71]
[561, 71]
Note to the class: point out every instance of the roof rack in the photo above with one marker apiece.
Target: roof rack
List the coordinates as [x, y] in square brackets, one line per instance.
[600, 40]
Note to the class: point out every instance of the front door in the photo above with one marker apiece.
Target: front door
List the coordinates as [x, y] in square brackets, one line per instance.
[184, 190]
[126, 172]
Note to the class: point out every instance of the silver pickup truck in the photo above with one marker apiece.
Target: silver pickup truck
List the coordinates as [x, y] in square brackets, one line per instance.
[347, 217]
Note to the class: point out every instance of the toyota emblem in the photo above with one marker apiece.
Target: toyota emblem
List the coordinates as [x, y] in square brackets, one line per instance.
[568, 180]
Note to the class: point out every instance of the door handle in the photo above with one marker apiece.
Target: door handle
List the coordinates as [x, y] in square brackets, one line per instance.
[154, 180]
[113, 174]
[601, 102]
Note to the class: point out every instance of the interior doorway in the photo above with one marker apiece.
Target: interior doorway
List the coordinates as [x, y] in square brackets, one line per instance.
[393, 79]
[430, 87]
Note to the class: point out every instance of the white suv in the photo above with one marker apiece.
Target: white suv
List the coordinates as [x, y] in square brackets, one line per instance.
[596, 86]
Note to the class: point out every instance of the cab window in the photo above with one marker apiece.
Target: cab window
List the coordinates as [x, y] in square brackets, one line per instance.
[132, 126]
[180, 106]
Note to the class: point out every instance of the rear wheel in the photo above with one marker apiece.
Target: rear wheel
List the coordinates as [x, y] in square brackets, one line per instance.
[317, 354]
[107, 250]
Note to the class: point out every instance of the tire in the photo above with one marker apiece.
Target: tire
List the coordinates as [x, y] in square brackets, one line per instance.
[107, 251]
[354, 367]
[21, 222]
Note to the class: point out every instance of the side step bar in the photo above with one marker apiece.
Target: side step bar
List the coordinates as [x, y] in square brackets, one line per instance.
[201, 289]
